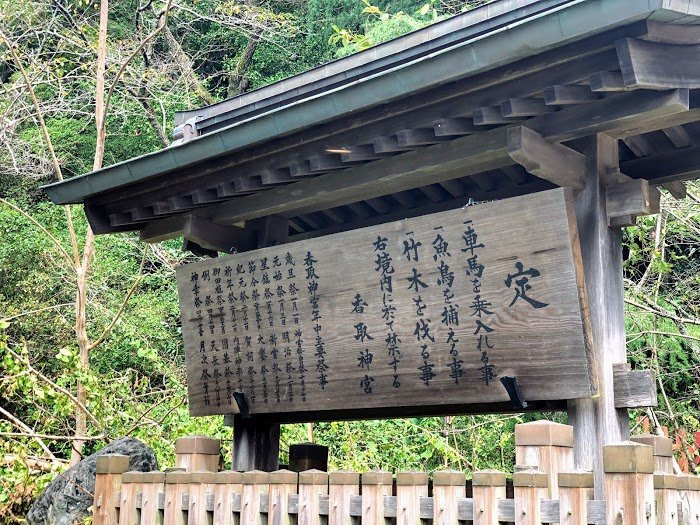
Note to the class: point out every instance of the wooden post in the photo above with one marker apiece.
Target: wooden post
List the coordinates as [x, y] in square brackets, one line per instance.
[448, 486]
[308, 456]
[411, 486]
[530, 488]
[694, 500]
[596, 421]
[663, 451]
[666, 497]
[225, 485]
[488, 486]
[547, 447]
[629, 483]
[282, 484]
[108, 481]
[176, 485]
[312, 484]
[575, 489]
[375, 485]
[343, 485]
[197, 453]
[131, 486]
[201, 484]
[255, 483]
[683, 491]
[153, 486]
[256, 444]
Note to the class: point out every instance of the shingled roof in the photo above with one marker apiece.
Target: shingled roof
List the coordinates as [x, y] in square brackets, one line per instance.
[421, 123]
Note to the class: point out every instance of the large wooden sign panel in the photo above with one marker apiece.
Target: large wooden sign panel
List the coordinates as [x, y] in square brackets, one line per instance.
[425, 311]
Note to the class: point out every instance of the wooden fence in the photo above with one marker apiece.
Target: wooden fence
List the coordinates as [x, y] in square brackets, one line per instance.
[640, 488]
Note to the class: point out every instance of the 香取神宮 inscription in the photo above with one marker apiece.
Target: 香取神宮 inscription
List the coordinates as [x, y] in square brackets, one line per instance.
[422, 312]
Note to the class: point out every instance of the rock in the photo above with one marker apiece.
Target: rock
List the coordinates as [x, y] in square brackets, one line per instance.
[66, 500]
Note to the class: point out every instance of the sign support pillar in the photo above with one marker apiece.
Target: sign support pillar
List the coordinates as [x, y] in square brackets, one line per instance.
[256, 444]
[596, 421]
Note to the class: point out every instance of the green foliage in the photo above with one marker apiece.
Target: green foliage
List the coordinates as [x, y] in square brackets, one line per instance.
[136, 382]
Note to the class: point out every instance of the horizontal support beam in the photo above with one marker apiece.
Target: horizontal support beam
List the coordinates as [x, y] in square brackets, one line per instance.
[206, 234]
[628, 200]
[652, 65]
[547, 160]
[633, 388]
[665, 167]
[451, 159]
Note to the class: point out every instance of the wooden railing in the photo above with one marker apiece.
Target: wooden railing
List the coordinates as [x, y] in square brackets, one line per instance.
[639, 489]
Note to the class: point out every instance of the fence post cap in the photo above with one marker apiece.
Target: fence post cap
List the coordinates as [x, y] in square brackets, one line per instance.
[256, 477]
[133, 476]
[344, 477]
[283, 477]
[662, 446]
[531, 478]
[411, 477]
[665, 481]
[154, 476]
[575, 479]
[449, 477]
[112, 464]
[377, 477]
[541, 433]
[694, 483]
[313, 477]
[687, 482]
[202, 477]
[197, 445]
[177, 476]
[628, 457]
[228, 476]
[489, 478]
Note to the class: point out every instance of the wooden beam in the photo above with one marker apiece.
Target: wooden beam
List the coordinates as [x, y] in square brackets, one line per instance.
[379, 205]
[678, 136]
[455, 127]
[606, 82]
[677, 189]
[547, 160]
[633, 388]
[206, 196]
[270, 176]
[568, 95]
[404, 198]
[361, 153]
[454, 187]
[323, 163]
[524, 107]
[628, 200]
[434, 192]
[453, 159]
[671, 33]
[516, 173]
[248, 184]
[183, 203]
[652, 65]
[206, 234]
[490, 115]
[665, 167]
[388, 145]
[417, 137]
[639, 145]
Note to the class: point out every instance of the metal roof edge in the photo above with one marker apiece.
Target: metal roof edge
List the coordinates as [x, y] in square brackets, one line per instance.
[565, 24]
[445, 32]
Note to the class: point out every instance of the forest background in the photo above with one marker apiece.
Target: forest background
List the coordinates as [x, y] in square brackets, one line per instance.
[90, 342]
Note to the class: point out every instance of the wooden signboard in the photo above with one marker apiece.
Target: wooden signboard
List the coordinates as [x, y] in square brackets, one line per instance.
[429, 311]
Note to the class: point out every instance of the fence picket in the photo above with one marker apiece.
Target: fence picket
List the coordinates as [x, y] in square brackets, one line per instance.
[448, 486]
[342, 487]
[411, 486]
[488, 486]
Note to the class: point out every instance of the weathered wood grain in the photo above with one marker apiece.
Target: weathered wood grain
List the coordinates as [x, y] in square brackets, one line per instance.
[633, 388]
[538, 338]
